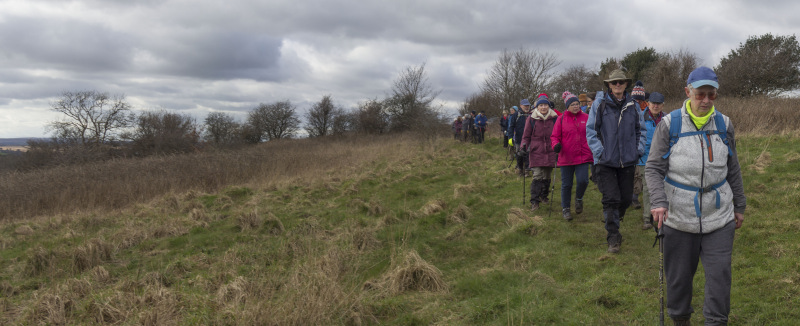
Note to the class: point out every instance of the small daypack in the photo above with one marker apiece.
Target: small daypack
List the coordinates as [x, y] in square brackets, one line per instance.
[675, 131]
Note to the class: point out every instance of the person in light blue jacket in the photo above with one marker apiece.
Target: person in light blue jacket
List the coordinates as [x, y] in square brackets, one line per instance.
[651, 117]
[613, 132]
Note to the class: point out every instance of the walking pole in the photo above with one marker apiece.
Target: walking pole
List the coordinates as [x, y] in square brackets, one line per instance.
[553, 189]
[523, 183]
[660, 241]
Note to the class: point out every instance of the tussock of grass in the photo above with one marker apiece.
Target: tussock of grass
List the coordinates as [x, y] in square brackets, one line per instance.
[462, 189]
[432, 207]
[762, 162]
[249, 221]
[460, 215]
[792, 157]
[39, 261]
[23, 230]
[91, 254]
[413, 274]
[273, 225]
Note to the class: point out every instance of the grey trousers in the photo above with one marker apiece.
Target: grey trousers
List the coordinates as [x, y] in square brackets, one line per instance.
[682, 251]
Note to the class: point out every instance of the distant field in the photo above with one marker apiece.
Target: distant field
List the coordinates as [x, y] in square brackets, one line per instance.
[14, 148]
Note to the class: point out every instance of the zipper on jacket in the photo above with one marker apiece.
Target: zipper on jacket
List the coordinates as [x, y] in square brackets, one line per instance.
[702, 176]
[619, 139]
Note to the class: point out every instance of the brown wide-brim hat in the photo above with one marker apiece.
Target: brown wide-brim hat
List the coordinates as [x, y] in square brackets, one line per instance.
[617, 74]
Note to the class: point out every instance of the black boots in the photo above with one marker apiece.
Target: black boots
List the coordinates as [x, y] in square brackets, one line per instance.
[578, 206]
[614, 243]
[565, 213]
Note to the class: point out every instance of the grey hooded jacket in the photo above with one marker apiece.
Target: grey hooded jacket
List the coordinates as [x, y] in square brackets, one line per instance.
[693, 163]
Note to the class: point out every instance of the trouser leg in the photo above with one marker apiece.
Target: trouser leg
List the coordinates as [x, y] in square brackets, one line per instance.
[625, 181]
[566, 185]
[645, 198]
[715, 254]
[581, 179]
[681, 255]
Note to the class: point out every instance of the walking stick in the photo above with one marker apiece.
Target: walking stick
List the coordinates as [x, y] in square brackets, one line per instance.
[553, 188]
[660, 241]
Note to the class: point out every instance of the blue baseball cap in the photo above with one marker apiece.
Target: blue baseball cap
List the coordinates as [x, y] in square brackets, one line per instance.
[656, 97]
[524, 102]
[702, 76]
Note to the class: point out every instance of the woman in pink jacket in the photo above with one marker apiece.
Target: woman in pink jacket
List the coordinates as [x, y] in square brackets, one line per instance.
[569, 140]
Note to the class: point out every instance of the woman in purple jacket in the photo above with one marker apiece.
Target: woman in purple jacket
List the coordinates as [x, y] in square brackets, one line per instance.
[574, 155]
[541, 157]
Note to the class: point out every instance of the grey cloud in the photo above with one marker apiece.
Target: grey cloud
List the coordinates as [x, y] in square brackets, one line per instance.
[62, 44]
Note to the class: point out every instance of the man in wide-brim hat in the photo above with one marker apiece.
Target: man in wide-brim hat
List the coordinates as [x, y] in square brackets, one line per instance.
[615, 138]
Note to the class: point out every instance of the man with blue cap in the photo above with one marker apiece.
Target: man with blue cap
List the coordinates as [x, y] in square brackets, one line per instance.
[697, 198]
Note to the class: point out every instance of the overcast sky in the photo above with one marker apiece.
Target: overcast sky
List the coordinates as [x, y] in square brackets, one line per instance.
[200, 56]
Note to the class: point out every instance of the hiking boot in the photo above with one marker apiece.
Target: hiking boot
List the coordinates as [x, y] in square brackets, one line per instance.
[614, 243]
[565, 214]
[646, 225]
[578, 206]
[681, 322]
[534, 206]
[544, 200]
[635, 203]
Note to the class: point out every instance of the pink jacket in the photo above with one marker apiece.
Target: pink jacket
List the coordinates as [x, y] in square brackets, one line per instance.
[570, 131]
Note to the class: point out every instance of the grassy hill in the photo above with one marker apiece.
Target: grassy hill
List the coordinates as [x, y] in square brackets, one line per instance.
[408, 232]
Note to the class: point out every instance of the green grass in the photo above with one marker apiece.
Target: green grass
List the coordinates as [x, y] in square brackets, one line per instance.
[315, 244]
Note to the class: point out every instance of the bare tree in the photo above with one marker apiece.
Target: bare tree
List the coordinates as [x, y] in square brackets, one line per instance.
[274, 121]
[576, 79]
[410, 103]
[480, 102]
[91, 117]
[165, 132]
[319, 119]
[668, 75]
[517, 75]
[342, 122]
[221, 128]
[371, 118]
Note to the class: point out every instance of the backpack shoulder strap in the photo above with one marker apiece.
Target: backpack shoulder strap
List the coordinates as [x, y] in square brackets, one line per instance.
[722, 130]
[674, 130]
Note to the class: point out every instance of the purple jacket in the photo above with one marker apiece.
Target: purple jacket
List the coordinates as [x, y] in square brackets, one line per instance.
[536, 137]
[570, 131]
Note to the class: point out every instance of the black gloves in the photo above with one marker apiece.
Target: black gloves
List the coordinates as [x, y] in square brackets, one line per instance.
[557, 148]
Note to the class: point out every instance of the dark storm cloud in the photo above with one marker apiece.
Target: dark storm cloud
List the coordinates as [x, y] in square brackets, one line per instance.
[220, 55]
[62, 44]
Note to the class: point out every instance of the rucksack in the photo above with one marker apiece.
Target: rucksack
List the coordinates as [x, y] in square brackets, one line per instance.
[675, 131]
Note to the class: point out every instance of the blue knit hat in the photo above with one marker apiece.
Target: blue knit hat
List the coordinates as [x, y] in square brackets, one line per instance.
[703, 76]
[524, 102]
[542, 99]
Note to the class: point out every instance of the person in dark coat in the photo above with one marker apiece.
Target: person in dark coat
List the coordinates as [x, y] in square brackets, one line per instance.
[615, 138]
[516, 127]
[536, 142]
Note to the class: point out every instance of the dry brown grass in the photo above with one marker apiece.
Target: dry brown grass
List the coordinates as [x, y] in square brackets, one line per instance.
[460, 215]
[120, 183]
[433, 207]
[756, 115]
[412, 273]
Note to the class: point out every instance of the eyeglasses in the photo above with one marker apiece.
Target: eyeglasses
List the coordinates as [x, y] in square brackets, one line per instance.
[617, 82]
[701, 96]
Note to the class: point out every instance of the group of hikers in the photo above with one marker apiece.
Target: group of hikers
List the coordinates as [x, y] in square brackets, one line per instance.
[684, 164]
[470, 127]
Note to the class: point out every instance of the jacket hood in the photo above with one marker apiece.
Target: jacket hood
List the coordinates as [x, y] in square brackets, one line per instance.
[536, 115]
